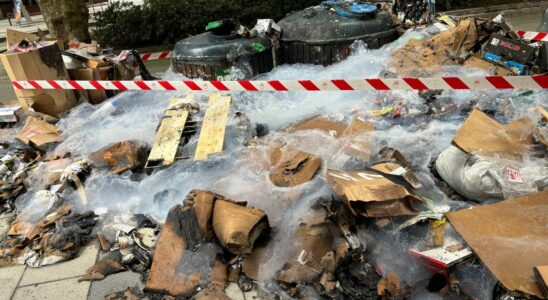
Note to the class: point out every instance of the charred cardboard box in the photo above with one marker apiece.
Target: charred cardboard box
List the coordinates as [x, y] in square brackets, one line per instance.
[42, 61]
[509, 237]
[187, 257]
[372, 194]
[293, 167]
[121, 157]
[183, 261]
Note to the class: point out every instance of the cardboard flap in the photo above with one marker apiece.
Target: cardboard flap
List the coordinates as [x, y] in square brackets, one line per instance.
[318, 123]
[14, 37]
[236, 226]
[510, 237]
[371, 194]
[479, 133]
[39, 133]
[293, 167]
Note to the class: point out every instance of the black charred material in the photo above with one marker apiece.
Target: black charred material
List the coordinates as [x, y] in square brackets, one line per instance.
[357, 278]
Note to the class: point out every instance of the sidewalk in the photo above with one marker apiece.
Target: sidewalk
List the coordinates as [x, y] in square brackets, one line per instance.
[38, 20]
[60, 281]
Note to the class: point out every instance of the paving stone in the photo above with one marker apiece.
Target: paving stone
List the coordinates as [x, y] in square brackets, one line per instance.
[234, 292]
[63, 289]
[114, 283]
[9, 278]
[72, 268]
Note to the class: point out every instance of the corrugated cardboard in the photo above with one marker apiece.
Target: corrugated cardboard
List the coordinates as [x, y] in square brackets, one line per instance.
[320, 123]
[293, 167]
[360, 143]
[44, 63]
[14, 37]
[93, 96]
[39, 133]
[445, 48]
[541, 276]
[237, 226]
[370, 194]
[510, 237]
[479, 133]
[476, 62]
[182, 261]
[120, 157]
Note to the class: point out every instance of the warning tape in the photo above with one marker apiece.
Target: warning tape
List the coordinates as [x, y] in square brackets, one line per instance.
[373, 84]
[156, 55]
[533, 36]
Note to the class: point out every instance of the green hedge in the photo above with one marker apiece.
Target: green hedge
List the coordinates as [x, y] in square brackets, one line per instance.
[164, 22]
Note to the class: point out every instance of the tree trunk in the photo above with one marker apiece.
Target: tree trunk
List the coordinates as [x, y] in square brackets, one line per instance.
[66, 19]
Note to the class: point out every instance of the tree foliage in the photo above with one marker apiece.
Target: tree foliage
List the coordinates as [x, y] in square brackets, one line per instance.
[164, 22]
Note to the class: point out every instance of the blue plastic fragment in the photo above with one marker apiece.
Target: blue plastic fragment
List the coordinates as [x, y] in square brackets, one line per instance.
[356, 10]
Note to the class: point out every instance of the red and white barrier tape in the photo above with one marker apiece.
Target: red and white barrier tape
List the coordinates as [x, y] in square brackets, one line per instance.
[533, 36]
[156, 56]
[444, 83]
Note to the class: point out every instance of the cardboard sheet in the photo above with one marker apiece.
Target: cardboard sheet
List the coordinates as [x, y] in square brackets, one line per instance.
[480, 133]
[182, 261]
[541, 276]
[510, 237]
[359, 142]
[120, 157]
[39, 133]
[370, 194]
[14, 37]
[318, 123]
[293, 167]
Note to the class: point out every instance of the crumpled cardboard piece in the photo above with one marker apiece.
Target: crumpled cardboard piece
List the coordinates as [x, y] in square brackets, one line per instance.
[39, 133]
[395, 169]
[477, 62]
[102, 269]
[315, 238]
[541, 277]
[120, 157]
[237, 227]
[509, 237]
[358, 142]
[481, 134]
[182, 261]
[370, 194]
[203, 202]
[322, 123]
[445, 48]
[293, 167]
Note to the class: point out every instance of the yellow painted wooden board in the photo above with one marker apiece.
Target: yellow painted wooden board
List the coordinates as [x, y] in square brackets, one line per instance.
[212, 135]
[169, 134]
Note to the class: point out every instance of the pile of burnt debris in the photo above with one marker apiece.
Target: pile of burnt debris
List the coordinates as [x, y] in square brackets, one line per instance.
[349, 216]
[208, 242]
